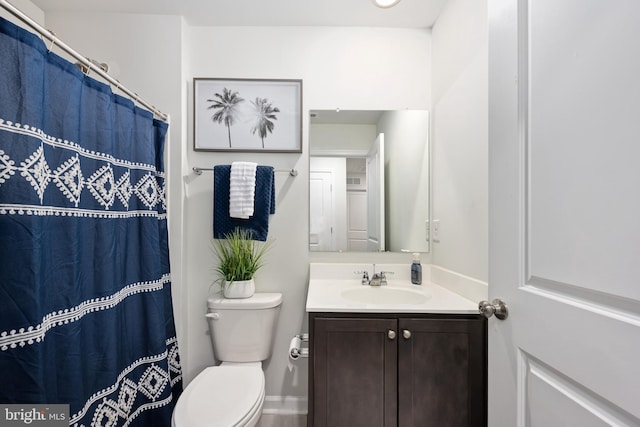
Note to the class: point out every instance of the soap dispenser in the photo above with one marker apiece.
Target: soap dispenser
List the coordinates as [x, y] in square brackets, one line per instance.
[416, 270]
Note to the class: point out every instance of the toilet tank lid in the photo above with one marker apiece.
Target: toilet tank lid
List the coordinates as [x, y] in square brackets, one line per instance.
[258, 300]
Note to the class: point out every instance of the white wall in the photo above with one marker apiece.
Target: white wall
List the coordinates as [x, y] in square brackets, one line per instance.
[330, 139]
[460, 138]
[26, 7]
[350, 68]
[390, 70]
[158, 56]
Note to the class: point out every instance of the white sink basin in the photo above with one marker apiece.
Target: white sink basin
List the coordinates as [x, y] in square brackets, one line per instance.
[336, 288]
[384, 295]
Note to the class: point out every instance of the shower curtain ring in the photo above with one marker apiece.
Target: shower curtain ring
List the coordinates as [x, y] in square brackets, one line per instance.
[53, 40]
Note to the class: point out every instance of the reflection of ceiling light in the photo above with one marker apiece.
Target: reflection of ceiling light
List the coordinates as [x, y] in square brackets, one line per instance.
[385, 3]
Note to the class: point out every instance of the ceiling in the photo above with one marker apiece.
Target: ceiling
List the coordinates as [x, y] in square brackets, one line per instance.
[407, 14]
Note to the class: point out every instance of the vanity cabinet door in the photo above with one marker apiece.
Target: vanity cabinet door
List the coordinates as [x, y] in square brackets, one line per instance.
[354, 372]
[442, 372]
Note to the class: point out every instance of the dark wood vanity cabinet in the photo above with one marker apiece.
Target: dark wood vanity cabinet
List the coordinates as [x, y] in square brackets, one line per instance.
[397, 370]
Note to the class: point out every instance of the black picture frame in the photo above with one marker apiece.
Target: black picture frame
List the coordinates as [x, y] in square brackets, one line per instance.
[251, 115]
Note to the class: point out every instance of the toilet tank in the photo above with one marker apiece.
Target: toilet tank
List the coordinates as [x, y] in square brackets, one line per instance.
[243, 329]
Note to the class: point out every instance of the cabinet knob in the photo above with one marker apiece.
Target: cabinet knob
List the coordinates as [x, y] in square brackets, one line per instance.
[391, 334]
[406, 334]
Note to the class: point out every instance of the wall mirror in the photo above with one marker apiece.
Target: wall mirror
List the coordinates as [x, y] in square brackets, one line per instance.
[369, 180]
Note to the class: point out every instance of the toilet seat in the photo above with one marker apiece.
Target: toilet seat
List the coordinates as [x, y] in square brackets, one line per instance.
[222, 396]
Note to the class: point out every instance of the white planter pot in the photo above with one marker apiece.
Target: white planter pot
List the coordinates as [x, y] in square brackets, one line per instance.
[239, 289]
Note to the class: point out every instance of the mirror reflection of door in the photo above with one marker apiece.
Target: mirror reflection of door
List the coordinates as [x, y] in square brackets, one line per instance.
[346, 201]
[356, 204]
[321, 216]
[327, 204]
[375, 196]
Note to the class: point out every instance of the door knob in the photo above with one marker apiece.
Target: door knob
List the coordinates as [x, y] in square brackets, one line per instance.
[497, 307]
[391, 334]
[406, 334]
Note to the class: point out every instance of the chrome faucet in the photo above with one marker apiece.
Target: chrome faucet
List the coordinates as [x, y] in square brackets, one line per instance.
[378, 279]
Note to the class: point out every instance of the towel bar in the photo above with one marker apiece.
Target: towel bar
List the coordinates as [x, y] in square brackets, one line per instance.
[198, 171]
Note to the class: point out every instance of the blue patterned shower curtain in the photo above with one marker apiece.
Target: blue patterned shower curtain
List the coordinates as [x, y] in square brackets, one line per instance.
[86, 317]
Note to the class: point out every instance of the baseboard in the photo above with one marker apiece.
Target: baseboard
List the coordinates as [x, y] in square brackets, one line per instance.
[470, 288]
[284, 405]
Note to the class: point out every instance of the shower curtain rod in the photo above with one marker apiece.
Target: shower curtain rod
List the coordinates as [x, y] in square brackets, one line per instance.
[50, 35]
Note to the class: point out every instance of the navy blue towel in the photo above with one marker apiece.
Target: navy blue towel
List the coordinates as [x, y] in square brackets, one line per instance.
[264, 204]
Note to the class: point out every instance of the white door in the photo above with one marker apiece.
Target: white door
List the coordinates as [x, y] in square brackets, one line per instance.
[321, 211]
[375, 196]
[564, 185]
[356, 221]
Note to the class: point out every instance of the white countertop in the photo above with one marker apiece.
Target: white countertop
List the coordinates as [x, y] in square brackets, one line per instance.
[338, 288]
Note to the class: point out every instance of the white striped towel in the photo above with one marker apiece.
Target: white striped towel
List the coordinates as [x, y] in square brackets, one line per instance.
[242, 189]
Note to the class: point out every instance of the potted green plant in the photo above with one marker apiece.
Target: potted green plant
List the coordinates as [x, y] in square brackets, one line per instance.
[239, 258]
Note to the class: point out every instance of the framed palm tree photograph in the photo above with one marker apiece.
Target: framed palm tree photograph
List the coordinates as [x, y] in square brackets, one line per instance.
[247, 115]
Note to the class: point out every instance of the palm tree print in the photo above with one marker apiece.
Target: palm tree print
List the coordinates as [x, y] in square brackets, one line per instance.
[265, 113]
[226, 106]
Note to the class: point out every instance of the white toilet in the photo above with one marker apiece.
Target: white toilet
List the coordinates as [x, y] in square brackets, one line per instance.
[232, 393]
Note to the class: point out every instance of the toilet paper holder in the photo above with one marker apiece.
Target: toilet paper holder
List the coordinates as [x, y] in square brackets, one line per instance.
[295, 346]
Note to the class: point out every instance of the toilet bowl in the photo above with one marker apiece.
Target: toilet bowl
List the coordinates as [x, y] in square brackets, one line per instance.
[222, 396]
[232, 393]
